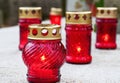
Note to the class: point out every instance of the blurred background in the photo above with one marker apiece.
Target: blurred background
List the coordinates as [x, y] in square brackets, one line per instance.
[9, 8]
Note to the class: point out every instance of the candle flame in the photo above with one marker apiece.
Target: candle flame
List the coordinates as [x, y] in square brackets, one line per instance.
[43, 58]
[106, 37]
[78, 49]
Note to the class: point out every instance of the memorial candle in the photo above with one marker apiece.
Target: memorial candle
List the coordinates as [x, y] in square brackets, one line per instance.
[27, 16]
[78, 37]
[106, 21]
[55, 15]
[44, 54]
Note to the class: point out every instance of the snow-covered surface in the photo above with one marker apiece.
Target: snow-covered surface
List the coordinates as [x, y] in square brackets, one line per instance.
[105, 67]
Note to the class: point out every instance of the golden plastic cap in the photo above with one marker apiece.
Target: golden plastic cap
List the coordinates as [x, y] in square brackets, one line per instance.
[44, 32]
[56, 11]
[30, 12]
[78, 17]
[106, 12]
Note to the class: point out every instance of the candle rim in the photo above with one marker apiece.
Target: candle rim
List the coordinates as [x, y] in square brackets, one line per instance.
[29, 8]
[107, 8]
[78, 12]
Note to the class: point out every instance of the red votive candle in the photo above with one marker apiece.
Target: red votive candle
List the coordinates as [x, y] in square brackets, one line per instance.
[27, 16]
[44, 54]
[78, 37]
[55, 15]
[106, 21]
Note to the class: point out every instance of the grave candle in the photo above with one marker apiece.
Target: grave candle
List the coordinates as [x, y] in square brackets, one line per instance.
[55, 16]
[27, 16]
[78, 37]
[106, 21]
[44, 54]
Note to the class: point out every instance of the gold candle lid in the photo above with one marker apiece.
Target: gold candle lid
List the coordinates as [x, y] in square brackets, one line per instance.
[56, 11]
[78, 17]
[44, 32]
[106, 12]
[30, 12]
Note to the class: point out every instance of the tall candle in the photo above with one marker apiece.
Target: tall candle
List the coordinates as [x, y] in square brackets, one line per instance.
[78, 37]
[27, 16]
[106, 20]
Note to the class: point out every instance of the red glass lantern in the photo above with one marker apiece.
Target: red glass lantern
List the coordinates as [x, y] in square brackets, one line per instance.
[106, 20]
[78, 37]
[55, 16]
[27, 16]
[44, 54]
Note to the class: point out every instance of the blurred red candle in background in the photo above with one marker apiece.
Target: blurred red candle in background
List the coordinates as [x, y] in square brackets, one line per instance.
[27, 16]
[55, 15]
[78, 37]
[106, 21]
[44, 54]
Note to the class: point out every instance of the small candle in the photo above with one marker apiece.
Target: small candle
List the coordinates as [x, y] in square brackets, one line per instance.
[55, 15]
[78, 37]
[44, 53]
[27, 16]
[106, 20]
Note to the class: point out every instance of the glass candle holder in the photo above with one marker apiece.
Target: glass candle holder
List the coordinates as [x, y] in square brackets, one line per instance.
[55, 16]
[27, 16]
[44, 54]
[78, 37]
[106, 21]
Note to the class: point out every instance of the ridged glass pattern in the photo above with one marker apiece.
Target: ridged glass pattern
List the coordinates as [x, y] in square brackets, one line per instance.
[43, 59]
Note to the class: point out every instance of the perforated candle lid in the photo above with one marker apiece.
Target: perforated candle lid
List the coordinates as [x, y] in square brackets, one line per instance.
[44, 32]
[106, 12]
[30, 12]
[56, 11]
[78, 17]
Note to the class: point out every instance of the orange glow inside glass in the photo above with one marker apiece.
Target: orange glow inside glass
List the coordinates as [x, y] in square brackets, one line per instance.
[24, 23]
[43, 58]
[78, 43]
[79, 49]
[105, 37]
[106, 33]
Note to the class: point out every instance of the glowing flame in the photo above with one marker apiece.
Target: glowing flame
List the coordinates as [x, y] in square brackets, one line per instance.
[78, 49]
[43, 58]
[106, 37]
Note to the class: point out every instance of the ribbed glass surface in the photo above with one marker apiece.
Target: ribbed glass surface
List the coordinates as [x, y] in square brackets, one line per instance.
[43, 59]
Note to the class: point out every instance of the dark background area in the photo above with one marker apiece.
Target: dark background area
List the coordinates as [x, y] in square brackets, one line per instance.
[9, 9]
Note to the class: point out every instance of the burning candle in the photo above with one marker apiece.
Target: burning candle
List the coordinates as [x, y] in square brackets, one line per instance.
[44, 53]
[27, 16]
[106, 20]
[78, 37]
[55, 16]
